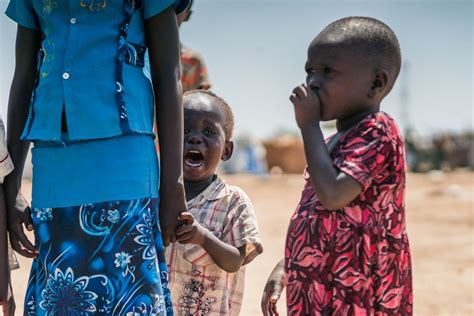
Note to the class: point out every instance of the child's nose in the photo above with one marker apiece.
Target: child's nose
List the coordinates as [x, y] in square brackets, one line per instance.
[313, 82]
[194, 139]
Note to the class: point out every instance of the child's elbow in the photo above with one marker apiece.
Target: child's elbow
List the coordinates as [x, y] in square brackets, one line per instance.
[232, 268]
[332, 202]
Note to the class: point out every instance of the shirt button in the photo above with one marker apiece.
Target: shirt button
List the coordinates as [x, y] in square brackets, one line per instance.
[66, 75]
[73, 20]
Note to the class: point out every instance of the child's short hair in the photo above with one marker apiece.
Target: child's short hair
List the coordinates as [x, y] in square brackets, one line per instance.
[370, 37]
[220, 103]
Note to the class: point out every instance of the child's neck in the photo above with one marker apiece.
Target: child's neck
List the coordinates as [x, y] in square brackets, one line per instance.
[193, 189]
[346, 123]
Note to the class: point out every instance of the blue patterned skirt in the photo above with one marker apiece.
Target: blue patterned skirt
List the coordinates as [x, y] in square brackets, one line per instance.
[105, 256]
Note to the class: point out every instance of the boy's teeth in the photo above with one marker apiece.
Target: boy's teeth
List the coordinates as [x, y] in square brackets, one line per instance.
[191, 164]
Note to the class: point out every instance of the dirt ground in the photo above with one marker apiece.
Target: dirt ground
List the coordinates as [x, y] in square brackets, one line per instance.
[440, 212]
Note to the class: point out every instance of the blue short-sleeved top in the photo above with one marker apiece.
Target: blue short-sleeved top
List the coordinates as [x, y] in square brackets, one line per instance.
[90, 65]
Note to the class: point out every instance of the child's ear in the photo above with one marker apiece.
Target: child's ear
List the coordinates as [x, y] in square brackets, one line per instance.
[379, 83]
[228, 150]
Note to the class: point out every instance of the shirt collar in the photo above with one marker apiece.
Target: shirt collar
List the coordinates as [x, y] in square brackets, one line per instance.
[215, 191]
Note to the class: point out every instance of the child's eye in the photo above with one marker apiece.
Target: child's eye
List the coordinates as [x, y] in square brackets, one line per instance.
[186, 131]
[309, 70]
[328, 70]
[209, 132]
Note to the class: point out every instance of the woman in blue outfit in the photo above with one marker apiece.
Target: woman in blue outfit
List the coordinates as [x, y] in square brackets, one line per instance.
[80, 95]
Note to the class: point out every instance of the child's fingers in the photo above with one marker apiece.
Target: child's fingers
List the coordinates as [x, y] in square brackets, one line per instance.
[274, 310]
[186, 217]
[275, 297]
[185, 238]
[293, 98]
[300, 92]
[183, 229]
[269, 300]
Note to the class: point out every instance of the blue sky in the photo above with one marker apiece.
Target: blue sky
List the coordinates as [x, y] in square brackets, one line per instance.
[255, 52]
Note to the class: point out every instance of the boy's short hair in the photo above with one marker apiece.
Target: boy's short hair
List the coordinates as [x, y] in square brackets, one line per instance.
[221, 104]
[370, 37]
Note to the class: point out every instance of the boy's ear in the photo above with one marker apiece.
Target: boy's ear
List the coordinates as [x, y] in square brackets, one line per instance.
[379, 83]
[228, 150]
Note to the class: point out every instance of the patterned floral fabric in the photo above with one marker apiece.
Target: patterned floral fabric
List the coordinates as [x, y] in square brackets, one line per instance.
[194, 74]
[104, 258]
[198, 285]
[356, 260]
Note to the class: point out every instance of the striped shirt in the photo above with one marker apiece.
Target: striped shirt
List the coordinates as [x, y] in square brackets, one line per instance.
[198, 285]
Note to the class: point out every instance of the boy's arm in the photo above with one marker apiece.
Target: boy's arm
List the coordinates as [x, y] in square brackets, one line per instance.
[163, 43]
[334, 189]
[226, 256]
[28, 43]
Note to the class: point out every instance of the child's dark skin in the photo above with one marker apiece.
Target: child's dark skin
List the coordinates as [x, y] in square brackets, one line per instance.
[339, 85]
[205, 144]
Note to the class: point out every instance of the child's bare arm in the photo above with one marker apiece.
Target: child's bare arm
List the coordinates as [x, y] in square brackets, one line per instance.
[273, 288]
[26, 52]
[334, 189]
[163, 43]
[226, 256]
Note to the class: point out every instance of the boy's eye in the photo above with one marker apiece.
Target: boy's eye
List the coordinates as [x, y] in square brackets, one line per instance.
[186, 131]
[209, 132]
[309, 70]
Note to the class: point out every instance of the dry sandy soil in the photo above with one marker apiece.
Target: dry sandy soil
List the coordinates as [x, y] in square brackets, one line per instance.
[440, 226]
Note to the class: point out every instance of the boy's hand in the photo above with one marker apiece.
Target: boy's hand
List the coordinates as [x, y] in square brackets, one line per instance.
[272, 291]
[307, 106]
[191, 232]
[19, 214]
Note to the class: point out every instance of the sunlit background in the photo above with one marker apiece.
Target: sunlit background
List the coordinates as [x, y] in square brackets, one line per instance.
[255, 53]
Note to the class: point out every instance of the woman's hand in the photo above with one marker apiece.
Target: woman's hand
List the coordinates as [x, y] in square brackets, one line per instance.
[307, 106]
[172, 203]
[273, 288]
[19, 217]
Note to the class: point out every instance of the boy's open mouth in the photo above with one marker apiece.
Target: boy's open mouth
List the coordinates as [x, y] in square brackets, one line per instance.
[194, 159]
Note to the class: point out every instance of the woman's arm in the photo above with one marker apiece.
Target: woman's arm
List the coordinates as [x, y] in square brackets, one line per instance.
[26, 51]
[163, 45]
[7, 301]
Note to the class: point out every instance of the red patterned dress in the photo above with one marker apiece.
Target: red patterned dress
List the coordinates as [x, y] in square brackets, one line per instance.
[355, 260]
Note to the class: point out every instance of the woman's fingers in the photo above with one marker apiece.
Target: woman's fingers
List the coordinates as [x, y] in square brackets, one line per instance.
[26, 218]
[23, 239]
[18, 247]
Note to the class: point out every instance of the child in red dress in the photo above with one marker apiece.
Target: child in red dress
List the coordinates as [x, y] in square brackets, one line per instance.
[347, 250]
